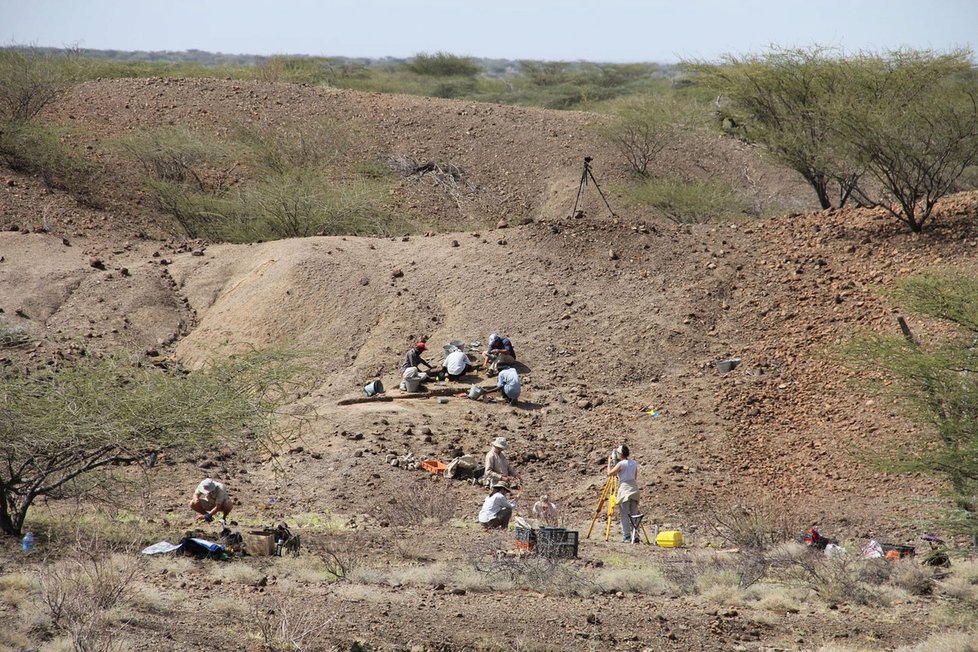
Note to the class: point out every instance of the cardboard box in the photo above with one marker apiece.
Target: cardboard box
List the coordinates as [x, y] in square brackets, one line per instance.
[259, 543]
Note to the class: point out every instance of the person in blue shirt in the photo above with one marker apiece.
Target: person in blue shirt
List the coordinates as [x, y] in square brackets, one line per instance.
[499, 353]
[509, 382]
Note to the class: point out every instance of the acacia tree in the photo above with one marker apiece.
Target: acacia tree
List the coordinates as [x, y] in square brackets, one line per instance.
[938, 384]
[640, 128]
[780, 100]
[910, 119]
[892, 130]
[60, 426]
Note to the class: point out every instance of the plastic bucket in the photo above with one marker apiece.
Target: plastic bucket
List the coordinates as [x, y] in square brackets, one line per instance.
[475, 392]
[374, 387]
[412, 384]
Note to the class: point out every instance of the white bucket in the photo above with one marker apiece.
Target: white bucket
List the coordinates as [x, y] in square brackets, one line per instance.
[412, 384]
[374, 387]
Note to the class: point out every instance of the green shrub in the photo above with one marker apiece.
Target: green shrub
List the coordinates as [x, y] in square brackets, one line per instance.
[690, 202]
[37, 150]
[199, 214]
[280, 149]
[641, 127]
[443, 64]
[181, 155]
[301, 204]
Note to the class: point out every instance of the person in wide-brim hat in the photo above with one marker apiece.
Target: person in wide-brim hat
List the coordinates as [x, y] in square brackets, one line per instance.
[497, 467]
[497, 509]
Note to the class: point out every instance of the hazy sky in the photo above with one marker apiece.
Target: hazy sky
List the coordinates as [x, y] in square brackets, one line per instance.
[595, 30]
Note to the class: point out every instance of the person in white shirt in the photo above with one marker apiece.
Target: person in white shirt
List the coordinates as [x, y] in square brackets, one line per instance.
[211, 497]
[456, 365]
[497, 508]
[628, 492]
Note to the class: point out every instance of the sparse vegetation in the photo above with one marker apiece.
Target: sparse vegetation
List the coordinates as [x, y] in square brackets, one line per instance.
[37, 150]
[937, 384]
[62, 425]
[689, 202]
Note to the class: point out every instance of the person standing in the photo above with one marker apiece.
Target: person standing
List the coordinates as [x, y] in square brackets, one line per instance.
[626, 469]
[211, 497]
[497, 509]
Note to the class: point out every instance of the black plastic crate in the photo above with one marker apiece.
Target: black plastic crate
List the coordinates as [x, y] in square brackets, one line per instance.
[556, 542]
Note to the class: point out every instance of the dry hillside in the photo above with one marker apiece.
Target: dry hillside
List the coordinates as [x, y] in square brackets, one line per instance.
[608, 315]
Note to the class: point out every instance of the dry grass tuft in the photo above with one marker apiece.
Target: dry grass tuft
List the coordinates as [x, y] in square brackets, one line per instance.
[16, 588]
[945, 642]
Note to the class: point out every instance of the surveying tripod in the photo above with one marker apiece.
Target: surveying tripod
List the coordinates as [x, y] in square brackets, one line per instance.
[585, 174]
[609, 495]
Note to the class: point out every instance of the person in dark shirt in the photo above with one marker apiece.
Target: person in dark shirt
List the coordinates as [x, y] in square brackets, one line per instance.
[413, 357]
[499, 353]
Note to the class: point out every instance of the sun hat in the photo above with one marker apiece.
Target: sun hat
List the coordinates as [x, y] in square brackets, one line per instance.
[208, 485]
[501, 485]
[500, 442]
[421, 345]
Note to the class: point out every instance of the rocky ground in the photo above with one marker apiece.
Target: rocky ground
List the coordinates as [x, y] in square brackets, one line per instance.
[609, 315]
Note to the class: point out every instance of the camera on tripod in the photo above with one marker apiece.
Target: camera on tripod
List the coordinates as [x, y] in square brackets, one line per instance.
[614, 456]
[586, 174]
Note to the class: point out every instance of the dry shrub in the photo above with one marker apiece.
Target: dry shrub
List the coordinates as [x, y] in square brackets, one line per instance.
[839, 579]
[420, 504]
[913, 578]
[286, 625]
[81, 589]
[754, 527]
[541, 573]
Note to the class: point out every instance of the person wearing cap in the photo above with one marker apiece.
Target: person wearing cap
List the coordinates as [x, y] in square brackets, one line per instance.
[499, 353]
[509, 382]
[413, 357]
[412, 361]
[628, 492]
[497, 508]
[497, 467]
[211, 497]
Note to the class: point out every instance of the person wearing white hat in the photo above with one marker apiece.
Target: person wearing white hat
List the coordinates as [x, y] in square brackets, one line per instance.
[497, 508]
[211, 497]
[497, 467]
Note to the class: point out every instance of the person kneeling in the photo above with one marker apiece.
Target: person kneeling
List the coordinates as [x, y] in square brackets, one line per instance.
[497, 508]
[211, 497]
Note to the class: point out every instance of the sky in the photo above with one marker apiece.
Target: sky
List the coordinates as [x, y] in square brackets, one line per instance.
[662, 31]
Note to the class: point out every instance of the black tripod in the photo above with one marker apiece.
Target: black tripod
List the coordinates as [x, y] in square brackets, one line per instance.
[580, 189]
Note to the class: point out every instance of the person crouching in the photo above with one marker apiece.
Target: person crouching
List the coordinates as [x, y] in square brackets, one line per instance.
[497, 508]
[211, 497]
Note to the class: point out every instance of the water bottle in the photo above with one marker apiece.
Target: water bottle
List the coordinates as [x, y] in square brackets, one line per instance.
[27, 543]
